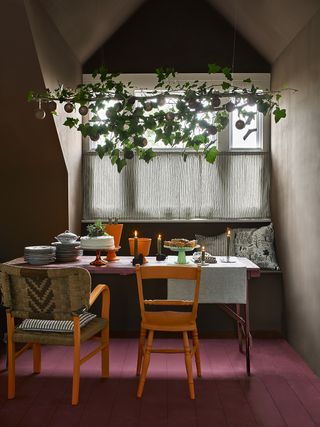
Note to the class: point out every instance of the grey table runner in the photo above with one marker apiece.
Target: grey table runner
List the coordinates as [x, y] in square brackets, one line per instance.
[221, 283]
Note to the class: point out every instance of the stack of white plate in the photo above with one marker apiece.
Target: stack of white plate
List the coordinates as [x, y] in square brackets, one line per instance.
[39, 255]
[67, 252]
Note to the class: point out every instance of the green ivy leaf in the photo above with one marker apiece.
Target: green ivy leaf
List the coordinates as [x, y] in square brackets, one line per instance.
[121, 163]
[30, 96]
[114, 156]
[227, 73]
[211, 154]
[247, 80]
[279, 114]
[102, 72]
[147, 155]
[213, 68]
[100, 151]
[225, 85]
[262, 107]
[71, 122]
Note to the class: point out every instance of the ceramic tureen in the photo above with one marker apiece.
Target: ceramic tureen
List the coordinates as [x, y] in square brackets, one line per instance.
[67, 237]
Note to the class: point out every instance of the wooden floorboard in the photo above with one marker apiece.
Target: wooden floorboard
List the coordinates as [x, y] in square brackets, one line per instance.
[282, 391]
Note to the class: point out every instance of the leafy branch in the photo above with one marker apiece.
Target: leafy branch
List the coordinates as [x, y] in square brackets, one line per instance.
[188, 114]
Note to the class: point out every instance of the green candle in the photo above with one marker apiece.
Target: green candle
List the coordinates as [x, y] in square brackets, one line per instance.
[228, 243]
[203, 254]
[135, 245]
[159, 244]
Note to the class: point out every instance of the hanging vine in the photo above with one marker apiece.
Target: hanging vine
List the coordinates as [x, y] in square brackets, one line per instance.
[197, 112]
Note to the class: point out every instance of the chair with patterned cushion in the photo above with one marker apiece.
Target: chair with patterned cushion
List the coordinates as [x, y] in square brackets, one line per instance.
[53, 304]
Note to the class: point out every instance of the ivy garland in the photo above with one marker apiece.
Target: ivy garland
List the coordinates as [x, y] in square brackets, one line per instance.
[199, 113]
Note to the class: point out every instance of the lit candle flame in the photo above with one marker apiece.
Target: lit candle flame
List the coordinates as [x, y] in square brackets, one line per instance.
[135, 233]
[228, 232]
[203, 248]
[159, 237]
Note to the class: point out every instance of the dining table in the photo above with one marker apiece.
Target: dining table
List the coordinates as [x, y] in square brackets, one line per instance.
[231, 297]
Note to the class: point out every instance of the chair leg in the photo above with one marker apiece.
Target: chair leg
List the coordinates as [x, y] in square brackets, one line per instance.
[76, 362]
[105, 352]
[11, 358]
[145, 364]
[36, 358]
[140, 350]
[196, 346]
[188, 362]
[11, 369]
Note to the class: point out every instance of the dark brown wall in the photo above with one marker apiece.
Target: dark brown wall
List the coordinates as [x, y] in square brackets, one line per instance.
[59, 65]
[184, 34]
[33, 173]
[295, 188]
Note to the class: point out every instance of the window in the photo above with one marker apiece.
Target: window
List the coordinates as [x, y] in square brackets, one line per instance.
[251, 137]
[235, 187]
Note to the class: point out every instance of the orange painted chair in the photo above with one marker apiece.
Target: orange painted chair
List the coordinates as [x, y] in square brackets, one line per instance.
[168, 321]
[60, 295]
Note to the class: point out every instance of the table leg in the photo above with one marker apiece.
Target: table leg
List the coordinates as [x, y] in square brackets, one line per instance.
[239, 330]
[248, 337]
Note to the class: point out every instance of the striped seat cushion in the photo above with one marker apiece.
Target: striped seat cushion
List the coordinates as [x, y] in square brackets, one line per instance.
[65, 326]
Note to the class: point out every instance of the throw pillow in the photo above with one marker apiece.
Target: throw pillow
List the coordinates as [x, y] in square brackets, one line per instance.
[216, 245]
[257, 244]
[65, 326]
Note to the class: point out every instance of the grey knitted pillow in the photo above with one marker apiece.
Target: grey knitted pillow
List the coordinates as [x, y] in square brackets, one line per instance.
[215, 245]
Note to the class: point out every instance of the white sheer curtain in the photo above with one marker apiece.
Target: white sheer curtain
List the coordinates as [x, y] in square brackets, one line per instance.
[236, 186]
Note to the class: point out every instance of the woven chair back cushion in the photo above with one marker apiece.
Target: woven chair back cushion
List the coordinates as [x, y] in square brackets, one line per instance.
[44, 293]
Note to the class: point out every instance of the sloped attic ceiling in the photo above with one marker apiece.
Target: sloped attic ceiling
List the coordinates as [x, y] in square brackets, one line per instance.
[86, 24]
[268, 25]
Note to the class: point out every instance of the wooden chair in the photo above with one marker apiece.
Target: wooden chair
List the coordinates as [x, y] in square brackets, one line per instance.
[168, 321]
[53, 294]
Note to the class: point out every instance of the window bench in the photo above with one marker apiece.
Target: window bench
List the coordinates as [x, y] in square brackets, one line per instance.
[265, 292]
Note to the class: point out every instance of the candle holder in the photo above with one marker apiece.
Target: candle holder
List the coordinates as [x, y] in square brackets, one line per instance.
[140, 260]
[228, 260]
[161, 257]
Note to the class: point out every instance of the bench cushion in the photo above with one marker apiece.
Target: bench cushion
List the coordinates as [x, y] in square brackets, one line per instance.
[256, 244]
[61, 326]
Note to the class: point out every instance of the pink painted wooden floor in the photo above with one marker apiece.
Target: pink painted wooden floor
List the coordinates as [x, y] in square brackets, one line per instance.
[282, 390]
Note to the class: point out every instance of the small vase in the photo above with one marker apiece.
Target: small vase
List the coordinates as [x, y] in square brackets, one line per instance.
[144, 244]
[114, 230]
